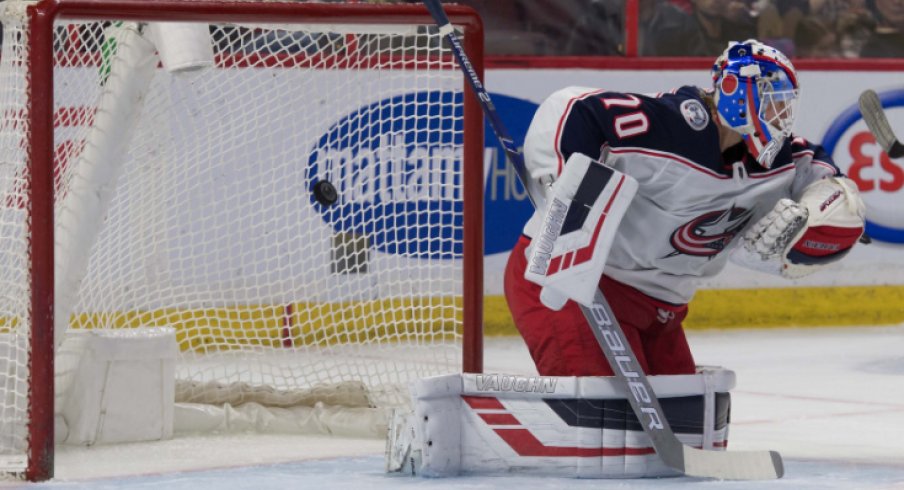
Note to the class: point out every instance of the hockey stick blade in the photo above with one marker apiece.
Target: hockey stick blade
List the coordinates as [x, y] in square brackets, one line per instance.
[874, 115]
[762, 465]
[734, 465]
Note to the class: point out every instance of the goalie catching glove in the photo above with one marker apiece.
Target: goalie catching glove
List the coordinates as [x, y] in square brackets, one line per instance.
[796, 239]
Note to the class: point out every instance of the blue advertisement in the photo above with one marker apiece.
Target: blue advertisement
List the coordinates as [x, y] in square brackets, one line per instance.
[394, 167]
[507, 205]
[879, 178]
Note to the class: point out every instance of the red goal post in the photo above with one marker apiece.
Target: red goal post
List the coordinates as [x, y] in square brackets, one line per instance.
[41, 189]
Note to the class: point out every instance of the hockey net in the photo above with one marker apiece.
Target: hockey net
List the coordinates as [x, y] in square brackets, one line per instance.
[183, 198]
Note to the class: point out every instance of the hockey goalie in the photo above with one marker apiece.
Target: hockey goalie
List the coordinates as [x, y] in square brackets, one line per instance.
[649, 194]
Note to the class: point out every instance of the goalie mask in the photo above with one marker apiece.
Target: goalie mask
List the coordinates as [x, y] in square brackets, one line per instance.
[756, 94]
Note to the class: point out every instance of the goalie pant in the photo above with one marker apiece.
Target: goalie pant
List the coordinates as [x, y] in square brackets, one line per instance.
[562, 344]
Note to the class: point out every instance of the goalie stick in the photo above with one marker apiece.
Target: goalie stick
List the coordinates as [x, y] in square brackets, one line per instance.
[733, 465]
[874, 115]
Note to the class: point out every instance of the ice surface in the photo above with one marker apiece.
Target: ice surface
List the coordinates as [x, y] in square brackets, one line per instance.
[366, 474]
[831, 400]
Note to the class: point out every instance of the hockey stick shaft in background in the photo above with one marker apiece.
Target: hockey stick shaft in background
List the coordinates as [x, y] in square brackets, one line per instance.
[612, 340]
[874, 115]
[489, 110]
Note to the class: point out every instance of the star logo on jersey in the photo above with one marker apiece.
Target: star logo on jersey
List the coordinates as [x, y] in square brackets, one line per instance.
[695, 114]
[709, 234]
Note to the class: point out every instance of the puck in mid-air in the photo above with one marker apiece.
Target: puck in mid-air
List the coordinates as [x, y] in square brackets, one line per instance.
[325, 193]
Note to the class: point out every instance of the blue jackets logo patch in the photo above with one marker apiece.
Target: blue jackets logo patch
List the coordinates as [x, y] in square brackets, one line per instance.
[709, 234]
[879, 177]
[695, 114]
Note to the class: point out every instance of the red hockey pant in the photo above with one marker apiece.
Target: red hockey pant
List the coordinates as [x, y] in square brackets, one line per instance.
[562, 344]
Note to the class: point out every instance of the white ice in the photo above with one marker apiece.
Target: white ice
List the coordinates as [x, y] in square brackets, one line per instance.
[831, 400]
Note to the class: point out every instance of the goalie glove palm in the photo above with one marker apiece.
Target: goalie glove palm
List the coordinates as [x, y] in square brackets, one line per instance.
[770, 236]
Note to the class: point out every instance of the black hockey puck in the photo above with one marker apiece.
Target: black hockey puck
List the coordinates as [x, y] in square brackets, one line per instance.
[325, 193]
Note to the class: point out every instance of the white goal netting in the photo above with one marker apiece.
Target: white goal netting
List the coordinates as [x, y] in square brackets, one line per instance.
[184, 198]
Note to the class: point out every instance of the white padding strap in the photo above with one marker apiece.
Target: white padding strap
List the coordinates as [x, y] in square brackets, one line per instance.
[182, 46]
[446, 29]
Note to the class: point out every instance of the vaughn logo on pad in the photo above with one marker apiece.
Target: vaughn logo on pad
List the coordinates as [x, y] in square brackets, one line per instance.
[519, 384]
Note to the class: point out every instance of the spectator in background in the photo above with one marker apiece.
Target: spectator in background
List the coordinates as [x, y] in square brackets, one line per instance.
[803, 28]
[684, 5]
[582, 27]
[777, 23]
[887, 39]
[659, 21]
[854, 29]
[834, 29]
[509, 28]
[813, 38]
[668, 30]
[552, 27]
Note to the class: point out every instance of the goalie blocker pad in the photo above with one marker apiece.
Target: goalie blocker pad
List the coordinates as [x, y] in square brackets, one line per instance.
[583, 210]
[551, 426]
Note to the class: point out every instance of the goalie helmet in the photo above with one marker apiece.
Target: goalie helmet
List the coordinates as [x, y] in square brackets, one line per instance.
[756, 94]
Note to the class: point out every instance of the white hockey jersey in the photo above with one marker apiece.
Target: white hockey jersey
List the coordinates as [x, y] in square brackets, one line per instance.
[692, 201]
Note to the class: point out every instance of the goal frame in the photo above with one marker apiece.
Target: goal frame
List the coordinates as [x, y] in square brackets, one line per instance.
[40, 192]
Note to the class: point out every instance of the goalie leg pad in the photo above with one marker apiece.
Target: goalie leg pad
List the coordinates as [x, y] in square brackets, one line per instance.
[583, 210]
[553, 426]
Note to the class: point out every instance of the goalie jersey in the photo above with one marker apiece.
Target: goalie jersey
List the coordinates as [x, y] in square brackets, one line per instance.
[693, 200]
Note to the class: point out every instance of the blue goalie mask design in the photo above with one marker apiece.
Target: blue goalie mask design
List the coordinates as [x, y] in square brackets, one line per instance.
[756, 94]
